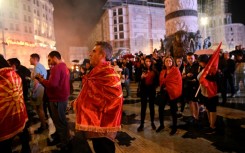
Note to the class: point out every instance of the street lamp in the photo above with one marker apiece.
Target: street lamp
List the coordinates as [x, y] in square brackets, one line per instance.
[3, 43]
[2, 26]
[204, 23]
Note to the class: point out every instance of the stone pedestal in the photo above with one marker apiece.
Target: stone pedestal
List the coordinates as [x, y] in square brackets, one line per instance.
[181, 25]
[181, 15]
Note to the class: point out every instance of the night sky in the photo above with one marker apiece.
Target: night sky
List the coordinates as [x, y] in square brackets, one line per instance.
[75, 19]
[238, 11]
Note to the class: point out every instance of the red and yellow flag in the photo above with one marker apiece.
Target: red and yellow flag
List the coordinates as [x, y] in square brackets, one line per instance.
[13, 114]
[99, 105]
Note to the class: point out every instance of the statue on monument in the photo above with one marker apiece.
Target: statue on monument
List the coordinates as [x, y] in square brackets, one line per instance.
[180, 44]
[163, 44]
[206, 43]
[198, 40]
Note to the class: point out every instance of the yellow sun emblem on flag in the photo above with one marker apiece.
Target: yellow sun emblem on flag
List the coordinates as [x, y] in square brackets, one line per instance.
[11, 94]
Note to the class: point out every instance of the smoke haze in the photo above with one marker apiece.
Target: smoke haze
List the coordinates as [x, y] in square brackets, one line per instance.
[74, 20]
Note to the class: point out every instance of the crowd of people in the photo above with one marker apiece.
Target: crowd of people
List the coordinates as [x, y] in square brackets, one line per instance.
[159, 70]
[98, 107]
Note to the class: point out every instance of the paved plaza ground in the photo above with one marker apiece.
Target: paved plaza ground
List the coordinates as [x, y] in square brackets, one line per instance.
[189, 139]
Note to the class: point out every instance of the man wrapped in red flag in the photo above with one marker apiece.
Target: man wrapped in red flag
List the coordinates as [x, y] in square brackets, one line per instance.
[99, 105]
[208, 84]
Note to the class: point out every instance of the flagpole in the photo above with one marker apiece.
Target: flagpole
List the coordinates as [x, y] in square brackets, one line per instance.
[198, 90]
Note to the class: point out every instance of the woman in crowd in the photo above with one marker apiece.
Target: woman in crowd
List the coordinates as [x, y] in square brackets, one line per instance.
[180, 64]
[148, 86]
[171, 89]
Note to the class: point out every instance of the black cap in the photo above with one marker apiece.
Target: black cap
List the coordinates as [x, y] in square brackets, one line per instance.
[203, 58]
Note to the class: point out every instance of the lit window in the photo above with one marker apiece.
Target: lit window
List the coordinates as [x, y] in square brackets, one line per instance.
[120, 19]
[121, 27]
[30, 30]
[17, 27]
[120, 11]
[114, 13]
[29, 19]
[121, 35]
[115, 29]
[11, 26]
[26, 29]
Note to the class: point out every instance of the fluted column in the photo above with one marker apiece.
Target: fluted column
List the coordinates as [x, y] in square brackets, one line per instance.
[181, 15]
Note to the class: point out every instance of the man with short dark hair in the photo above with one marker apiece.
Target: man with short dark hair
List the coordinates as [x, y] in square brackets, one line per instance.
[58, 91]
[24, 73]
[227, 67]
[99, 105]
[38, 102]
[189, 76]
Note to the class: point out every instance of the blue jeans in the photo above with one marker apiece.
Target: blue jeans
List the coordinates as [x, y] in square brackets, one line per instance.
[126, 85]
[59, 118]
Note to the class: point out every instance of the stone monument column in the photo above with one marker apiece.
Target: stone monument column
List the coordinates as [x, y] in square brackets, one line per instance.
[181, 15]
[181, 25]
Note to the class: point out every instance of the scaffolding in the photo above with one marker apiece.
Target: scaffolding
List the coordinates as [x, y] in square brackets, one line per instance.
[113, 3]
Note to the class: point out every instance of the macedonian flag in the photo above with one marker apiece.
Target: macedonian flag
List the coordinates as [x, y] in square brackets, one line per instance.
[13, 114]
[99, 104]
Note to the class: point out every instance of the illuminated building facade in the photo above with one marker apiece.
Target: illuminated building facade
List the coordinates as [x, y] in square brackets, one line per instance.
[218, 24]
[131, 26]
[27, 27]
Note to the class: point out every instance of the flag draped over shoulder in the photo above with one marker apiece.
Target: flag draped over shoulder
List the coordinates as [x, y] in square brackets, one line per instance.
[172, 82]
[13, 114]
[99, 105]
[211, 69]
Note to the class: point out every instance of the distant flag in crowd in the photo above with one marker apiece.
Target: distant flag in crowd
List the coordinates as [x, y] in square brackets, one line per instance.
[211, 69]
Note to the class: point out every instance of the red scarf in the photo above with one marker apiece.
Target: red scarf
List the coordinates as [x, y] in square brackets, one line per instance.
[172, 82]
[13, 114]
[99, 104]
[149, 78]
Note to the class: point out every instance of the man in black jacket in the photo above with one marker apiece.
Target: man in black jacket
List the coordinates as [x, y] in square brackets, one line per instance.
[227, 67]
